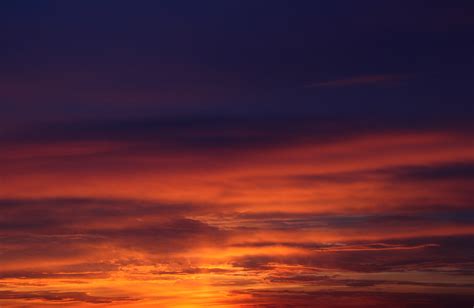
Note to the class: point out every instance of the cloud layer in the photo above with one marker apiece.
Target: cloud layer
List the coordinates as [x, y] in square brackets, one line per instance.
[240, 211]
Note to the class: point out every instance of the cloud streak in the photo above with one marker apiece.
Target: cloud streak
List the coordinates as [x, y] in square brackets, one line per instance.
[362, 80]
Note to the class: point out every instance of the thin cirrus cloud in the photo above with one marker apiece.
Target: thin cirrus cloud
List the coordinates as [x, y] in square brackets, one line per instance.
[361, 80]
[61, 297]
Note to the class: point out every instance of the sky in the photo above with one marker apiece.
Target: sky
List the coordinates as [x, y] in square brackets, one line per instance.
[237, 153]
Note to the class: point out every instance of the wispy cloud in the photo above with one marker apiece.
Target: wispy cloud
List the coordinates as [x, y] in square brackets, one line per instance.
[63, 297]
[360, 80]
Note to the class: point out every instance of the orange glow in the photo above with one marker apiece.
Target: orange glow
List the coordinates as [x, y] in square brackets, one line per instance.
[163, 228]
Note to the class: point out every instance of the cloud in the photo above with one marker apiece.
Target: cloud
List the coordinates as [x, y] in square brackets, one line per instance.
[334, 247]
[168, 237]
[324, 280]
[438, 216]
[393, 255]
[212, 133]
[52, 238]
[234, 203]
[65, 297]
[333, 299]
[454, 171]
[76, 214]
[360, 80]
[434, 172]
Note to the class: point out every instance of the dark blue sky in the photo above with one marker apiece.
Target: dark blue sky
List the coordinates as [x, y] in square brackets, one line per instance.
[92, 59]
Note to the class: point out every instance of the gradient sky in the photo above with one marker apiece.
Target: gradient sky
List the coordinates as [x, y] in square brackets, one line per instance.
[237, 153]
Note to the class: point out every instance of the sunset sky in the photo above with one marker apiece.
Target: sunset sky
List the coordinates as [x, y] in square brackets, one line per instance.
[237, 153]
